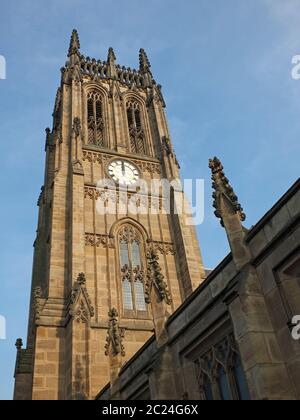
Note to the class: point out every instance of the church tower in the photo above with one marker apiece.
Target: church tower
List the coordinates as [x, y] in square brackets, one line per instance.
[94, 271]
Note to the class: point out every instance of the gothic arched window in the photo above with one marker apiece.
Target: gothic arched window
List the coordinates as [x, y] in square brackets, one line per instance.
[136, 132]
[132, 273]
[220, 373]
[95, 119]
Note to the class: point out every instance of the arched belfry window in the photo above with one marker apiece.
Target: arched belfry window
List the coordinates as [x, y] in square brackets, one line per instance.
[132, 270]
[135, 126]
[95, 119]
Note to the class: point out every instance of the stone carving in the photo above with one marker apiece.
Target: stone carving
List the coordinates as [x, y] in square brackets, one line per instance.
[223, 188]
[139, 275]
[91, 193]
[97, 240]
[39, 303]
[41, 196]
[74, 43]
[155, 279]
[81, 308]
[91, 157]
[77, 126]
[145, 65]
[126, 273]
[165, 248]
[169, 151]
[115, 335]
[19, 344]
[98, 157]
[129, 234]
[111, 56]
[97, 69]
[123, 197]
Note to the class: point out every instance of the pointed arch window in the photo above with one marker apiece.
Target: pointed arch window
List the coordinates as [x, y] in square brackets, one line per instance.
[132, 272]
[95, 119]
[220, 373]
[136, 132]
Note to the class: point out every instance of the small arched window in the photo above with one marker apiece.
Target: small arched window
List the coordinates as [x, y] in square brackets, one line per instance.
[132, 271]
[136, 132]
[95, 119]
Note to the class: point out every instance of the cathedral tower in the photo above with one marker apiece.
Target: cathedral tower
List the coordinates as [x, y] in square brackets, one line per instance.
[90, 297]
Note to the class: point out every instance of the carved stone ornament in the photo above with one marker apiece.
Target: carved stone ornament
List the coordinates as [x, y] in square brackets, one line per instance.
[76, 127]
[169, 151]
[98, 240]
[115, 335]
[19, 344]
[223, 189]
[164, 248]
[129, 234]
[144, 166]
[39, 303]
[81, 308]
[155, 279]
[91, 69]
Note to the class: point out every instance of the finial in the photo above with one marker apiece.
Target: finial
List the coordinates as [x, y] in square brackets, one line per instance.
[115, 335]
[19, 344]
[81, 278]
[145, 65]
[222, 187]
[111, 58]
[74, 43]
[155, 278]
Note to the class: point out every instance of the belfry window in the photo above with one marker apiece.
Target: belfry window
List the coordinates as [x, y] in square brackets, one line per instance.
[136, 132]
[132, 273]
[220, 373]
[95, 120]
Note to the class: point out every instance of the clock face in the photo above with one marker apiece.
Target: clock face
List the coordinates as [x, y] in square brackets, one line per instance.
[123, 172]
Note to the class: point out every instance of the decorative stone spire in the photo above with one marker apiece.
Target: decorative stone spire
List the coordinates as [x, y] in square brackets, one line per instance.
[111, 62]
[145, 65]
[74, 43]
[19, 344]
[155, 279]
[81, 279]
[223, 188]
[80, 306]
[111, 58]
[231, 213]
[114, 345]
[158, 296]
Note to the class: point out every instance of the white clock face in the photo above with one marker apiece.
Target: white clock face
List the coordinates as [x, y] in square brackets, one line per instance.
[122, 172]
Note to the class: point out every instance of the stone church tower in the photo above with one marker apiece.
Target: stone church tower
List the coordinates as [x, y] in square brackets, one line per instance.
[102, 283]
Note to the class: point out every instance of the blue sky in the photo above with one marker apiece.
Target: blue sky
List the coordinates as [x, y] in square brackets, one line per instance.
[225, 67]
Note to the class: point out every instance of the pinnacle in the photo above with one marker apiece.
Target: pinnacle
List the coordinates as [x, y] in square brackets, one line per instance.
[74, 43]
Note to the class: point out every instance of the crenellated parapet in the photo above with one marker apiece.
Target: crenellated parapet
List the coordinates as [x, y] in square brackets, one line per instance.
[99, 70]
